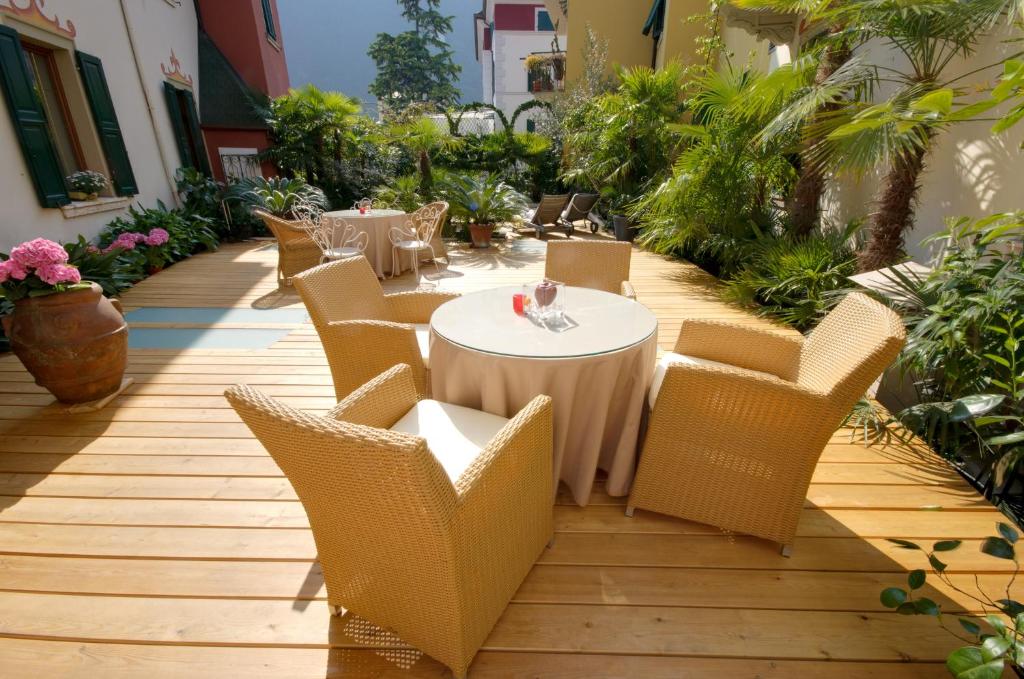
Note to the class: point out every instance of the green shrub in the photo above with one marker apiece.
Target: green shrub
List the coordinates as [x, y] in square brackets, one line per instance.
[482, 199]
[279, 196]
[965, 346]
[402, 193]
[188, 233]
[113, 271]
[790, 278]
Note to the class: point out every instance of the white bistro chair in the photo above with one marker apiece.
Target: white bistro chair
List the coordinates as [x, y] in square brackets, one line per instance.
[337, 239]
[414, 238]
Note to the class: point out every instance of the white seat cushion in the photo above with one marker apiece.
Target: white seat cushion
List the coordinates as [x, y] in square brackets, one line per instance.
[455, 435]
[342, 253]
[670, 358]
[412, 245]
[423, 339]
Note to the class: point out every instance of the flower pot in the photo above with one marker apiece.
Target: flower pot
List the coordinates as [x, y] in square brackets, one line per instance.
[81, 195]
[153, 270]
[75, 344]
[624, 231]
[481, 234]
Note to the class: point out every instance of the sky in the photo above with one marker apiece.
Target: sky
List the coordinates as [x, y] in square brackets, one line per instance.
[325, 43]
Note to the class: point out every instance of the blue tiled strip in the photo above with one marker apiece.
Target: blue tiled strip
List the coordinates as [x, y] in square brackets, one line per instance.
[211, 316]
[200, 338]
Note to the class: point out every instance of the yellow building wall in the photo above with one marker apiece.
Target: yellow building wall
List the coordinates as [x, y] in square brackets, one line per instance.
[677, 42]
[619, 22]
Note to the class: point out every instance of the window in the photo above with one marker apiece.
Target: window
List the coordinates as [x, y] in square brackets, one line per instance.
[268, 19]
[181, 105]
[46, 83]
[45, 124]
[544, 22]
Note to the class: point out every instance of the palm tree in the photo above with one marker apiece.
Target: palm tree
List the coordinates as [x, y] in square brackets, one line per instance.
[898, 132]
[313, 130]
[422, 137]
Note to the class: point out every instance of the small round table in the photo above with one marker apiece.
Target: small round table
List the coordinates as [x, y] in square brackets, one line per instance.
[376, 224]
[596, 367]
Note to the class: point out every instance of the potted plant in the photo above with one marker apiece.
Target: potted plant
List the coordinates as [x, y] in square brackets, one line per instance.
[621, 223]
[72, 339]
[539, 66]
[482, 201]
[86, 184]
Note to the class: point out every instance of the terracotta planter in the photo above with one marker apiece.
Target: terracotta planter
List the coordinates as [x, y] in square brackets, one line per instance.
[81, 195]
[74, 343]
[481, 234]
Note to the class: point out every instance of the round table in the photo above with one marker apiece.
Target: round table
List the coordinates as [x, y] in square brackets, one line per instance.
[376, 224]
[596, 368]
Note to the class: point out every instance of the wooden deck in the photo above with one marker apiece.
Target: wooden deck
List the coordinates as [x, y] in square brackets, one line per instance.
[156, 538]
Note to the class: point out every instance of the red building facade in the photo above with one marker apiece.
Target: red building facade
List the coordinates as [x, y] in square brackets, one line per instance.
[242, 64]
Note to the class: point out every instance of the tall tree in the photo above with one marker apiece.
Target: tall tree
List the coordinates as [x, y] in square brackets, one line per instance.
[416, 66]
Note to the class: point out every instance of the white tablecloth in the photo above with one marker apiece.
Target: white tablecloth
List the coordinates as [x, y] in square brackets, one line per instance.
[597, 373]
[376, 224]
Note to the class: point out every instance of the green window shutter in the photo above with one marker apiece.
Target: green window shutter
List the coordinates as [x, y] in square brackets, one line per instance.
[197, 133]
[29, 121]
[268, 19]
[122, 178]
[180, 136]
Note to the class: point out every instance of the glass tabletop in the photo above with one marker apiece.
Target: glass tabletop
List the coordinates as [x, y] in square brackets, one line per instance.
[596, 322]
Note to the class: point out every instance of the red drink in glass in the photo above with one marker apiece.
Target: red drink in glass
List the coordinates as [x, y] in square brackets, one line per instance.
[519, 303]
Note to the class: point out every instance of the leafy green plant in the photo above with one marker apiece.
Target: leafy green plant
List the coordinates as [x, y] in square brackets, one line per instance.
[482, 199]
[200, 195]
[965, 346]
[279, 196]
[403, 193]
[187, 233]
[790, 278]
[718, 200]
[114, 271]
[623, 140]
[988, 653]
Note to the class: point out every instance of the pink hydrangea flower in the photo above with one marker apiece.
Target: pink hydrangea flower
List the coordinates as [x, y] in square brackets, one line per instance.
[58, 273]
[92, 249]
[38, 252]
[10, 269]
[126, 241]
[157, 237]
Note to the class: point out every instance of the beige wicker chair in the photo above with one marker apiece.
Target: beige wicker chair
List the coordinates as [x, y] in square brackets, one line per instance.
[364, 331]
[426, 516]
[740, 416]
[602, 265]
[296, 251]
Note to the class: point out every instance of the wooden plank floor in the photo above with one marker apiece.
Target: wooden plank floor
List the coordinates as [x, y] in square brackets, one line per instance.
[156, 538]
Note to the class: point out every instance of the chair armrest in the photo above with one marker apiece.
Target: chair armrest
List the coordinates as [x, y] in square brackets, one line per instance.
[742, 346]
[716, 402]
[415, 307]
[628, 290]
[520, 452]
[358, 351]
[380, 402]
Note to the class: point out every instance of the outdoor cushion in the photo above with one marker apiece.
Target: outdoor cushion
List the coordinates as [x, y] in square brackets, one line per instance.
[670, 358]
[455, 435]
[341, 253]
[423, 339]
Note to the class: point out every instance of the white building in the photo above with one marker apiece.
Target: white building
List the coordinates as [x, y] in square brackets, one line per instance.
[507, 32]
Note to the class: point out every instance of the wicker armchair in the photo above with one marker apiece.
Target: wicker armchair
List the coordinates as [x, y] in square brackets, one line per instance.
[602, 265]
[296, 251]
[426, 516]
[364, 331]
[740, 416]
